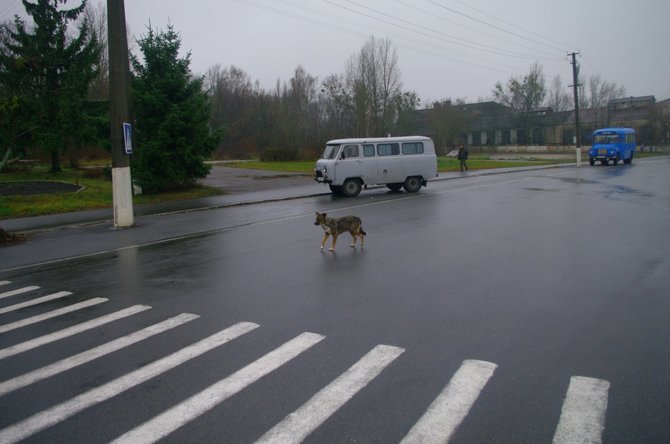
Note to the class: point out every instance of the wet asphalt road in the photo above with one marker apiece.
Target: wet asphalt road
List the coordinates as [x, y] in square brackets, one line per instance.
[543, 276]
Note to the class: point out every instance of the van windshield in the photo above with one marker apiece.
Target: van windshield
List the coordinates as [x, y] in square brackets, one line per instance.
[330, 152]
[606, 138]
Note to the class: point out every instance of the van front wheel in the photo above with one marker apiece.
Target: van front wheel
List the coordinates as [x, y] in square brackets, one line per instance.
[337, 190]
[351, 187]
[412, 184]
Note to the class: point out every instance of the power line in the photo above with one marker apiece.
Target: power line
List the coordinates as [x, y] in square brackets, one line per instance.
[511, 24]
[445, 37]
[493, 26]
[431, 14]
[329, 25]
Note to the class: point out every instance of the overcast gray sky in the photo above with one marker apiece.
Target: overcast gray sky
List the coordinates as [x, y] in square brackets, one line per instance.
[446, 48]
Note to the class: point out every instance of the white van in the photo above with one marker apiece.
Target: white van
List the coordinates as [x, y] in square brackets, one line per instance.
[346, 165]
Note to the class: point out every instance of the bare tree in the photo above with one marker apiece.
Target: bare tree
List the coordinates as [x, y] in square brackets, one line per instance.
[596, 93]
[600, 92]
[373, 80]
[523, 94]
[558, 98]
[301, 95]
[336, 107]
[448, 122]
[95, 15]
[235, 107]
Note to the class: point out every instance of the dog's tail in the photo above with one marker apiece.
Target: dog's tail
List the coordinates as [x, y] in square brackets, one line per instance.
[360, 230]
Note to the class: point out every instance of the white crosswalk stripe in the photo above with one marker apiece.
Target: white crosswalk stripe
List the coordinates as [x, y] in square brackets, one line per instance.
[64, 410]
[87, 356]
[52, 314]
[582, 416]
[47, 298]
[299, 424]
[84, 326]
[18, 291]
[181, 414]
[449, 409]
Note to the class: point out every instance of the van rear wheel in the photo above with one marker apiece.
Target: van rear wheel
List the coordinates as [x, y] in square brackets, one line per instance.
[351, 187]
[412, 184]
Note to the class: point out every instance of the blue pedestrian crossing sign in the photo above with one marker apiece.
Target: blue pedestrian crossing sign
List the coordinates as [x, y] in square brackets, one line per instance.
[128, 137]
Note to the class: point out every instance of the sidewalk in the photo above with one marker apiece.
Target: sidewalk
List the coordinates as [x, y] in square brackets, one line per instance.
[286, 190]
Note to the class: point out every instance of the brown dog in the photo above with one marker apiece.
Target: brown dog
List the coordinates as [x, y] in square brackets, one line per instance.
[335, 226]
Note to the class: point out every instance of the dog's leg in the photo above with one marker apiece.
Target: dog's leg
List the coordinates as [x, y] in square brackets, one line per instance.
[332, 247]
[325, 238]
[354, 236]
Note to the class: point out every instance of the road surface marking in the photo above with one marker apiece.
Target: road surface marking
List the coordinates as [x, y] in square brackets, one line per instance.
[67, 332]
[452, 405]
[18, 291]
[89, 355]
[299, 424]
[583, 415]
[51, 314]
[184, 412]
[4, 283]
[60, 412]
[50, 297]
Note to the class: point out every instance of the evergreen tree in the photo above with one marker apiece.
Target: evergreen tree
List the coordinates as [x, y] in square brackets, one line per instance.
[45, 72]
[171, 116]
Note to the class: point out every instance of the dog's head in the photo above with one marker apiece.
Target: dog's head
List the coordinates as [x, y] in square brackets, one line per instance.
[320, 218]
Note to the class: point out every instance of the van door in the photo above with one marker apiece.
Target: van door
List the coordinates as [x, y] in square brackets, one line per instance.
[349, 164]
[389, 163]
[369, 165]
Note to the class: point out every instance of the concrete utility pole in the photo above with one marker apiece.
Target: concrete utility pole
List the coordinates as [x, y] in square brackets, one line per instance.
[119, 113]
[575, 85]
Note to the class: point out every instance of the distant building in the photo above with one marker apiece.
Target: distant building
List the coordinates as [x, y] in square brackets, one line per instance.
[493, 124]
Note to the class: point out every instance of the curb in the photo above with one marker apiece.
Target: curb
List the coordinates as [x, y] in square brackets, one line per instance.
[38, 224]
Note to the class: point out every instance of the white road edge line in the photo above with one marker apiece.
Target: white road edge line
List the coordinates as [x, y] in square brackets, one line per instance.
[299, 424]
[51, 314]
[452, 405]
[186, 411]
[4, 283]
[60, 412]
[67, 332]
[583, 413]
[71, 362]
[18, 291]
[50, 297]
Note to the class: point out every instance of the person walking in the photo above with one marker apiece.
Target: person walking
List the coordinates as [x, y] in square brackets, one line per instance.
[463, 157]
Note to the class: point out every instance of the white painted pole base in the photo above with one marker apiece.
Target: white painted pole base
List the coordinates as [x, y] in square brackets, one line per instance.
[122, 192]
[579, 156]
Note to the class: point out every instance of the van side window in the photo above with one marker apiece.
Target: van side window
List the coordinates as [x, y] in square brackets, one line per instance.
[350, 151]
[412, 148]
[388, 149]
[368, 150]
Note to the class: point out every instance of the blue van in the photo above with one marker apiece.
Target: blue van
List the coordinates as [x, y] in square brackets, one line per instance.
[613, 144]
